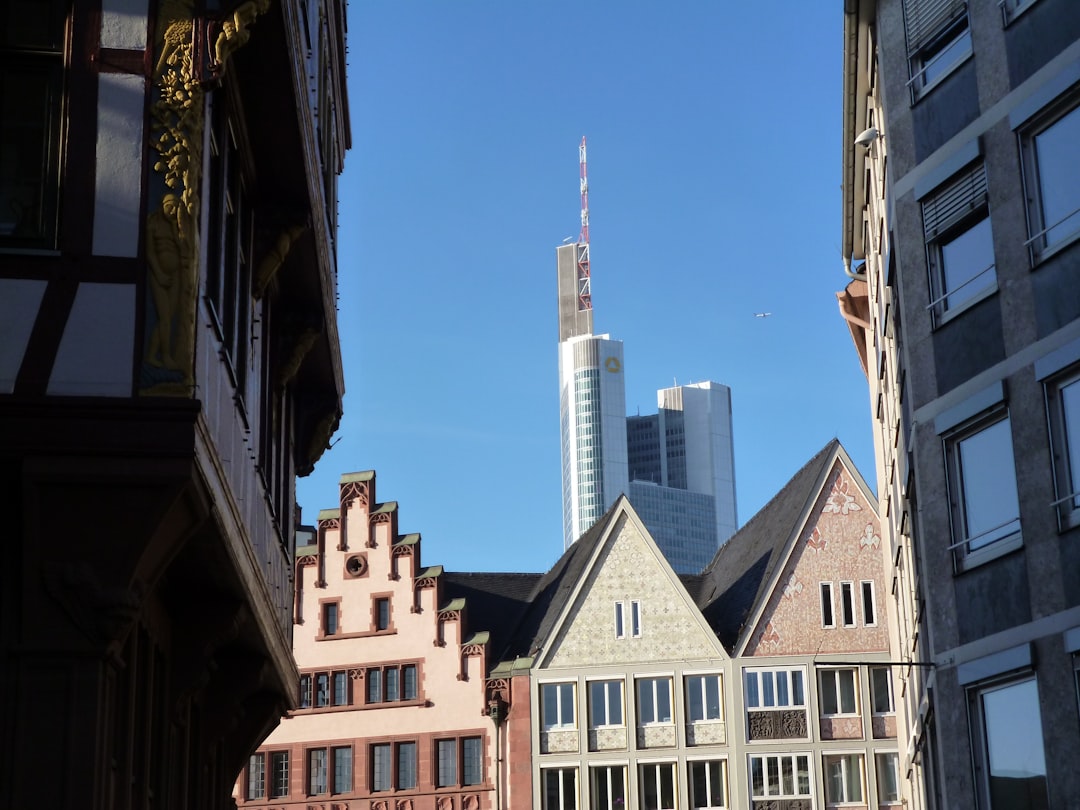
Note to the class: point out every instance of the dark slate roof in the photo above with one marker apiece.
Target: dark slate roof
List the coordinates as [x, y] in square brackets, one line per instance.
[495, 601]
[736, 580]
[554, 589]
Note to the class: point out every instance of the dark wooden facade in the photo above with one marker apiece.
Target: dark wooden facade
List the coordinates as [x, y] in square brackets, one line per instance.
[171, 363]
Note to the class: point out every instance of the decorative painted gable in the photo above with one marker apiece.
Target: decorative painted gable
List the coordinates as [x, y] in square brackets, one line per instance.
[830, 595]
[629, 583]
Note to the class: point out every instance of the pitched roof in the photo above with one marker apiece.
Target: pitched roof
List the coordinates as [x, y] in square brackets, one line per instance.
[736, 581]
[495, 601]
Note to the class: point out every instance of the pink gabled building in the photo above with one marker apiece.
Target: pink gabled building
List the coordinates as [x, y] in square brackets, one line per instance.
[393, 708]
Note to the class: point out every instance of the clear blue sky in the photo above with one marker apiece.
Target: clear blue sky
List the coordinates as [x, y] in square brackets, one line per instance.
[714, 176]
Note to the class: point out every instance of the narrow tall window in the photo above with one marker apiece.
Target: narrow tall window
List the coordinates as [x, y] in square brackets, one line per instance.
[316, 771]
[409, 682]
[1063, 405]
[381, 767]
[342, 769]
[382, 613]
[620, 629]
[341, 689]
[406, 763]
[322, 689]
[305, 691]
[869, 608]
[279, 763]
[657, 786]
[838, 689]
[847, 603]
[843, 779]
[330, 618]
[888, 777]
[635, 618]
[472, 762]
[560, 791]
[446, 763]
[608, 787]
[827, 618]
[256, 776]
[708, 784]
[881, 692]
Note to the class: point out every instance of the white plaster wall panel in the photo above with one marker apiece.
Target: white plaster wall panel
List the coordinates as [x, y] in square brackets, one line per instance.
[630, 568]
[123, 24]
[117, 194]
[97, 350]
[19, 303]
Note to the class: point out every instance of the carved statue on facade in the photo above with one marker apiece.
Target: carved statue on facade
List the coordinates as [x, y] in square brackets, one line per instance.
[234, 31]
[275, 258]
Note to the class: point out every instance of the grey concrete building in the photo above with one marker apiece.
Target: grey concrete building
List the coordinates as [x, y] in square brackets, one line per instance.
[961, 229]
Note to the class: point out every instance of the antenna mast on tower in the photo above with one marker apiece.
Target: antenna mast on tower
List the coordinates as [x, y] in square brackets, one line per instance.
[584, 287]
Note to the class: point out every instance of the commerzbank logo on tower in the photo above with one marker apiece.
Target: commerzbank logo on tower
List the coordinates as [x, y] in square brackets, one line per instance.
[613, 365]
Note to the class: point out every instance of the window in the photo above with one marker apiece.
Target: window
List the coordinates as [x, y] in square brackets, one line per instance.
[406, 765]
[31, 91]
[620, 627]
[605, 703]
[1063, 404]
[382, 613]
[342, 769]
[888, 777]
[774, 689]
[959, 242]
[607, 787]
[843, 779]
[256, 777]
[279, 773]
[654, 700]
[341, 689]
[703, 698]
[881, 691]
[869, 607]
[559, 789]
[322, 689]
[1011, 9]
[827, 618]
[305, 691]
[838, 690]
[938, 39]
[783, 776]
[982, 486]
[1011, 756]
[657, 786]
[708, 784]
[459, 762]
[557, 705]
[847, 604]
[1052, 178]
[392, 684]
[393, 766]
[330, 618]
[316, 771]
[635, 618]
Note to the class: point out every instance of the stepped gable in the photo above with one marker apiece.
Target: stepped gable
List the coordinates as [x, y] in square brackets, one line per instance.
[737, 580]
[496, 601]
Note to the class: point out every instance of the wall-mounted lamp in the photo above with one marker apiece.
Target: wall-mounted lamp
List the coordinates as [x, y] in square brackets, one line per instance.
[867, 137]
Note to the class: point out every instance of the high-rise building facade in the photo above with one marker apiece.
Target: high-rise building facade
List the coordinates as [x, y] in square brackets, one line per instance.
[677, 466]
[964, 248]
[682, 472]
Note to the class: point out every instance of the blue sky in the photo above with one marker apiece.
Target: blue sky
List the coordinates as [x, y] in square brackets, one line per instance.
[714, 187]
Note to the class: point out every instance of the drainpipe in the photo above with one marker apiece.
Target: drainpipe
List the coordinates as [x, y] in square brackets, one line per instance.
[497, 713]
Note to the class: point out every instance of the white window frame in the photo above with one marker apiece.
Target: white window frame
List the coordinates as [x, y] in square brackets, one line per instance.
[829, 680]
[635, 618]
[892, 762]
[847, 760]
[828, 606]
[1064, 446]
[609, 768]
[655, 684]
[620, 620]
[775, 790]
[996, 540]
[608, 683]
[692, 798]
[1038, 229]
[562, 801]
[778, 676]
[704, 678]
[560, 707]
[1011, 9]
[848, 615]
[874, 689]
[659, 769]
[935, 33]
[866, 585]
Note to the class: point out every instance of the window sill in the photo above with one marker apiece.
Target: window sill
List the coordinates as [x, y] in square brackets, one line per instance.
[997, 549]
[361, 634]
[1009, 16]
[1045, 254]
[941, 318]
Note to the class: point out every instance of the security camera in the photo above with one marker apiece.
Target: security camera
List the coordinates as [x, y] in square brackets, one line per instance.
[867, 137]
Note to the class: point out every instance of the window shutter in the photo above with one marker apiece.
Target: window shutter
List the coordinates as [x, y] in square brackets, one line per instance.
[954, 201]
[925, 19]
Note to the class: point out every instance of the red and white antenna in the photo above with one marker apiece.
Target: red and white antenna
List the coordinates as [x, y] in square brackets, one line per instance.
[584, 287]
